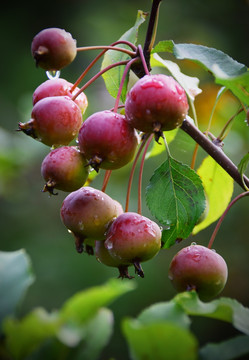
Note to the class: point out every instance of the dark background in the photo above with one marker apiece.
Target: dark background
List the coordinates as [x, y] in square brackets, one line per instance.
[30, 219]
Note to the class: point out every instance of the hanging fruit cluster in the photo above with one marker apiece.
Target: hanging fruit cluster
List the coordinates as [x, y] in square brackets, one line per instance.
[109, 140]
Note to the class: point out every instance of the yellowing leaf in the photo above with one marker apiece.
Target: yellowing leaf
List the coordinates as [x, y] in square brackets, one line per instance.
[218, 186]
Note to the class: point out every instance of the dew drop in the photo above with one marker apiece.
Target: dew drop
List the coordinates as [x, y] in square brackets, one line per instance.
[52, 75]
[193, 243]
[108, 245]
[70, 232]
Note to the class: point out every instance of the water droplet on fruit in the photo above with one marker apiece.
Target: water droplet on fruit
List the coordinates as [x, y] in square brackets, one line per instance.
[52, 75]
[193, 243]
[108, 245]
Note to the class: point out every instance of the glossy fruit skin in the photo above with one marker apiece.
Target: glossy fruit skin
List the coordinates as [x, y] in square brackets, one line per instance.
[198, 268]
[55, 121]
[87, 213]
[133, 238]
[64, 168]
[156, 103]
[103, 256]
[53, 49]
[59, 87]
[107, 140]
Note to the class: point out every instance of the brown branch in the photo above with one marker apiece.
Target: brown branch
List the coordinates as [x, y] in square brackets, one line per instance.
[215, 152]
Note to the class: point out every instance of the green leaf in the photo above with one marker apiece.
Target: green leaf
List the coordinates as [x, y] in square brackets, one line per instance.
[225, 309]
[165, 311]
[113, 77]
[26, 335]
[83, 305]
[159, 340]
[176, 198]
[242, 167]
[97, 336]
[226, 350]
[218, 186]
[227, 71]
[158, 148]
[189, 83]
[15, 278]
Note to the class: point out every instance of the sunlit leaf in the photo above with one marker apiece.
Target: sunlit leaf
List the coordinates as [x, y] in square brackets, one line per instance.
[86, 303]
[189, 83]
[226, 350]
[97, 335]
[26, 335]
[15, 278]
[113, 77]
[159, 340]
[176, 198]
[227, 71]
[218, 186]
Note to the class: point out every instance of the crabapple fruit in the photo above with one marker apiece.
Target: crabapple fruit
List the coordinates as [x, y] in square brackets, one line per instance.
[103, 256]
[107, 140]
[55, 121]
[87, 213]
[132, 239]
[53, 49]
[199, 268]
[64, 168]
[59, 87]
[156, 103]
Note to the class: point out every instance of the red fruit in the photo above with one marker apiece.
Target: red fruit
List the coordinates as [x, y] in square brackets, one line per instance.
[156, 103]
[107, 140]
[198, 268]
[53, 49]
[59, 87]
[55, 121]
[103, 256]
[64, 168]
[132, 239]
[87, 213]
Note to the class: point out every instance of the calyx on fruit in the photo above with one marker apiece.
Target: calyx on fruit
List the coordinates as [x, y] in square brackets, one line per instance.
[53, 49]
[107, 140]
[132, 239]
[54, 121]
[87, 213]
[64, 168]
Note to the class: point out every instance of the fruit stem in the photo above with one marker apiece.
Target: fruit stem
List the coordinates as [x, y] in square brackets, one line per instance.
[215, 152]
[222, 135]
[128, 65]
[166, 145]
[194, 156]
[140, 50]
[106, 179]
[98, 75]
[108, 47]
[210, 244]
[97, 58]
[139, 206]
[145, 138]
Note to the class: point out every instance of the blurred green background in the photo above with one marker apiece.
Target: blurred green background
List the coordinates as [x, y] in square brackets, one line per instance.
[30, 219]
